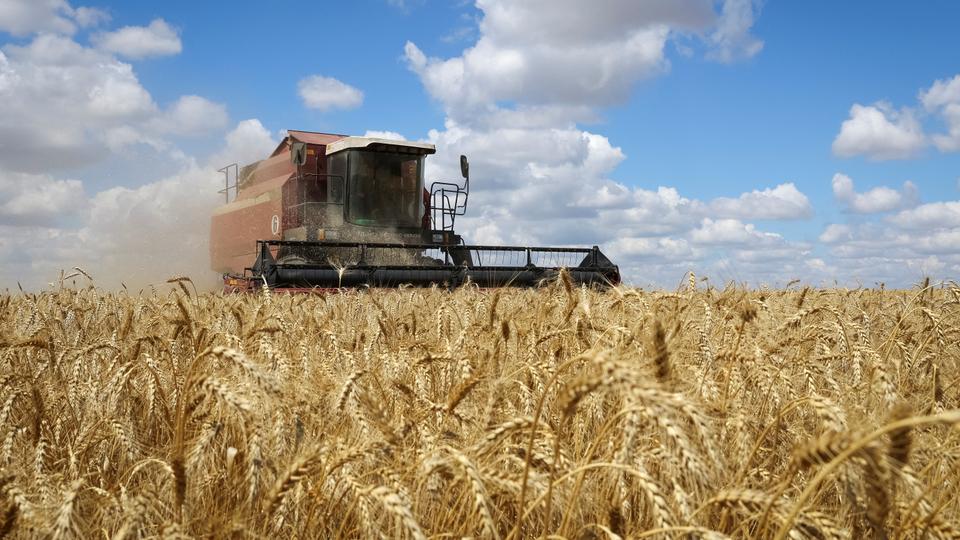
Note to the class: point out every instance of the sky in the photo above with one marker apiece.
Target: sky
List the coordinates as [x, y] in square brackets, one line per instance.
[746, 141]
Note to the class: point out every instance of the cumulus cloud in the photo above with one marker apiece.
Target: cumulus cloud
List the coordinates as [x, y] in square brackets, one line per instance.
[731, 231]
[878, 199]
[38, 199]
[554, 53]
[247, 142]
[58, 99]
[879, 132]
[535, 53]
[599, 72]
[393, 135]
[930, 216]
[784, 201]
[940, 93]
[923, 240]
[24, 17]
[192, 115]
[943, 97]
[654, 248]
[949, 142]
[732, 39]
[137, 42]
[326, 93]
[835, 232]
[65, 105]
[90, 17]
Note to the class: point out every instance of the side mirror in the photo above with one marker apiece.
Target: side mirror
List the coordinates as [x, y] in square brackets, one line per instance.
[464, 167]
[298, 153]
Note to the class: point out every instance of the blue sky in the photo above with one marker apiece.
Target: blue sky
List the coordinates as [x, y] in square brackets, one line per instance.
[749, 141]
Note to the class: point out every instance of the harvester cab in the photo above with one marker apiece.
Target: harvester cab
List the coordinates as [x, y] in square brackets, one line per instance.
[330, 211]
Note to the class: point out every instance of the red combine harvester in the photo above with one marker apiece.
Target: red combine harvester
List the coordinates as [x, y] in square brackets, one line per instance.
[329, 211]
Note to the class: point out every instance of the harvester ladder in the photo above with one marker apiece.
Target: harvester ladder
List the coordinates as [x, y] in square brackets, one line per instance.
[447, 201]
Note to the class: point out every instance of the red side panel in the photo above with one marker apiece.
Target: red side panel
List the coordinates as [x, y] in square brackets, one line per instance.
[266, 170]
[234, 233]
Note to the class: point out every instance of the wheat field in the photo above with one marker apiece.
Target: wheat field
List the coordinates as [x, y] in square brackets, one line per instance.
[425, 413]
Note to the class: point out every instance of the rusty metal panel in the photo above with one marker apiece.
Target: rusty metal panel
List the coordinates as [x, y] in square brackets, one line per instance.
[234, 232]
[311, 137]
[266, 170]
[263, 186]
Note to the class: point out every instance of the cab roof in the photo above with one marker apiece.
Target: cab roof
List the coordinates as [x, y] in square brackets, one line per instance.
[382, 145]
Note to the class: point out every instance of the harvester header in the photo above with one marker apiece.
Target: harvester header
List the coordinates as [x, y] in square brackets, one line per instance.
[329, 211]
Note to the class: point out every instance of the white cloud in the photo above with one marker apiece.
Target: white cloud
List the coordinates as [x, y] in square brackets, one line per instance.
[58, 100]
[24, 17]
[38, 199]
[878, 199]
[64, 105]
[327, 93]
[782, 202]
[732, 39]
[660, 249]
[949, 142]
[732, 231]
[835, 232]
[393, 135]
[90, 17]
[192, 115]
[940, 93]
[940, 242]
[555, 53]
[943, 97]
[595, 72]
[901, 248]
[156, 39]
[879, 132]
[929, 216]
[249, 141]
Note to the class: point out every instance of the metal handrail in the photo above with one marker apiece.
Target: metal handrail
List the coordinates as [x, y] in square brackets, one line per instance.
[454, 208]
[226, 181]
[422, 245]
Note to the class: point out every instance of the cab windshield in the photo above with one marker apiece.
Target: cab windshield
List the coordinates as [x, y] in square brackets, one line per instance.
[385, 189]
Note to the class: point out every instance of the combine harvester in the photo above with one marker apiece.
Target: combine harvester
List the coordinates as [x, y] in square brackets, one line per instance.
[329, 211]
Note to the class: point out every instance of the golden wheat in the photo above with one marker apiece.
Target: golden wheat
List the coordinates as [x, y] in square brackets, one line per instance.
[426, 413]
